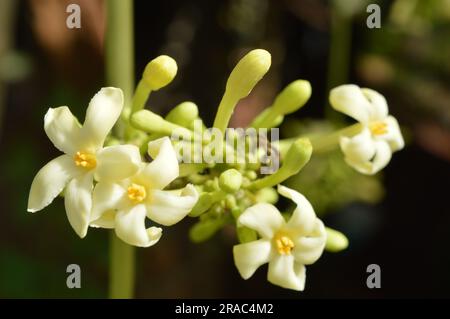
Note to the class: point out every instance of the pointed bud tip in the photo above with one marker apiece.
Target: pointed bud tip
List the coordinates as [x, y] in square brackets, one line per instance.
[159, 72]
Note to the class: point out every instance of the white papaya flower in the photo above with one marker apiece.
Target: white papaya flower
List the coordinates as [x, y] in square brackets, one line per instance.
[84, 157]
[124, 205]
[286, 246]
[370, 150]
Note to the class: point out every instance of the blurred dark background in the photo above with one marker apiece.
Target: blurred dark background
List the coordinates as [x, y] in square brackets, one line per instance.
[44, 64]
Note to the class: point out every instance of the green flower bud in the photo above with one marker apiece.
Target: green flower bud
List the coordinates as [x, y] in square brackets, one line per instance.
[230, 181]
[293, 97]
[296, 157]
[336, 241]
[267, 195]
[205, 229]
[183, 114]
[159, 72]
[246, 74]
[205, 202]
[246, 234]
[150, 122]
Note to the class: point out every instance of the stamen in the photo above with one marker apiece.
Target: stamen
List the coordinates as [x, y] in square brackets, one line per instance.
[284, 244]
[86, 160]
[378, 128]
[136, 193]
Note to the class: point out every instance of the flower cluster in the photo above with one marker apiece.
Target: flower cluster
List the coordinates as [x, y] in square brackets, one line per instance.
[118, 180]
[126, 190]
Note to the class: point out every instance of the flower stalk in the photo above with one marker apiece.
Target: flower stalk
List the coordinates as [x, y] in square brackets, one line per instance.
[119, 73]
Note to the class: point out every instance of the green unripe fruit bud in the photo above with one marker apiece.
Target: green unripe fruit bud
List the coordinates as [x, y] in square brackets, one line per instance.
[336, 241]
[230, 181]
[159, 72]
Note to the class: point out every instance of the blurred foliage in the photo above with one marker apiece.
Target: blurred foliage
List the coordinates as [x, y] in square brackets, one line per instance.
[409, 55]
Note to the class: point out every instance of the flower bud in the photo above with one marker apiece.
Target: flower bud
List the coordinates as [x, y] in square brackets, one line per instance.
[230, 181]
[150, 122]
[293, 97]
[297, 155]
[159, 72]
[205, 229]
[247, 73]
[336, 241]
[183, 114]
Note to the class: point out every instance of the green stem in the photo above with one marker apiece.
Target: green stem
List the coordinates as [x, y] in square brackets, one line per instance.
[122, 267]
[8, 9]
[322, 144]
[224, 112]
[120, 73]
[120, 54]
[339, 53]
[140, 97]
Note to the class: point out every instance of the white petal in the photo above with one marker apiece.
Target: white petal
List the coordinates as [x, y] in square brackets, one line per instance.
[115, 163]
[101, 115]
[264, 218]
[359, 148]
[307, 250]
[250, 256]
[350, 100]
[164, 167]
[394, 135]
[62, 129]
[167, 208]
[378, 105]
[285, 272]
[303, 218]
[106, 197]
[50, 181]
[130, 227]
[78, 202]
[106, 220]
[382, 157]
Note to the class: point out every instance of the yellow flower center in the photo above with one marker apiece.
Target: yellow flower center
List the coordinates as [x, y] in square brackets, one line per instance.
[136, 193]
[284, 244]
[378, 128]
[84, 159]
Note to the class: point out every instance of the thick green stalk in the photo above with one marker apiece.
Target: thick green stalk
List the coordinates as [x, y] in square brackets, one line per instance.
[8, 10]
[122, 269]
[339, 53]
[120, 73]
[120, 54]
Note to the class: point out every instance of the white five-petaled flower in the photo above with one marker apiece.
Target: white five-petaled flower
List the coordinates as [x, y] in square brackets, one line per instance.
[85, 157]
[286, 246]
[370, 150]
[124, 205]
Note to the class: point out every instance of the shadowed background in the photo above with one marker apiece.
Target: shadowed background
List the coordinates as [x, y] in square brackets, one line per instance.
[399, 219]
